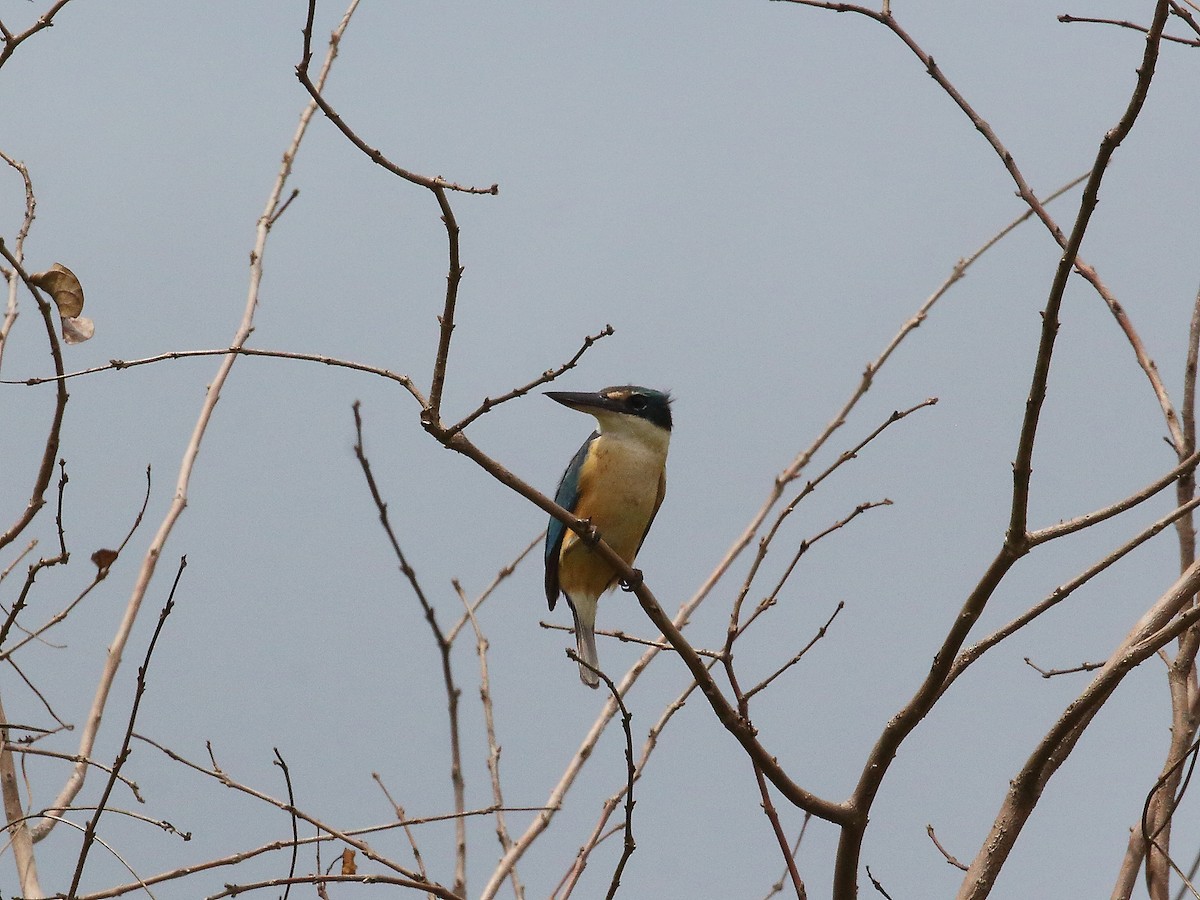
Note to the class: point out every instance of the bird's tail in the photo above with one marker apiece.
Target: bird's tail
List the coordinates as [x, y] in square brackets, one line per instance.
[585, 643]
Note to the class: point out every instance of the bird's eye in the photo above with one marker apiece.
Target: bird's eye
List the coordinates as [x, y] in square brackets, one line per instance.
[637, 402]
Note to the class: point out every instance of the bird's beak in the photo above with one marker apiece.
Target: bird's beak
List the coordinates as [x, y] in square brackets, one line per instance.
[585, 401]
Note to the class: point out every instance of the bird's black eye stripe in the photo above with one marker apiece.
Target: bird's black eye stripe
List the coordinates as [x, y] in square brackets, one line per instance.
[637, 401]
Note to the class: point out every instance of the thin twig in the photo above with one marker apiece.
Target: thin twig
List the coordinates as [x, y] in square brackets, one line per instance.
[12, 41]
[765, 542]
[453, 693]
[972, 653]
[179, 501]
[1051, 673]
[50, 453]
[89, 832]
[101, 574]
[549, 375]
[875, 884]
[777, 887]
[241, 856]
[1068, 19]
[821, 632]
[235, 890]
[407, 826]
[630, 845]
[772, 814]
[630, 639]
[215, 772]
[42, 563]
[502, 575]
[489, 721]
[287, 777]
[1185, 469]
[10, 309]
[946, 855]
[26, 750]
[119, 364]
[376, 156]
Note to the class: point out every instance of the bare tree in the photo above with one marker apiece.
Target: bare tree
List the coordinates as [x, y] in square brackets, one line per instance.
[737, 691]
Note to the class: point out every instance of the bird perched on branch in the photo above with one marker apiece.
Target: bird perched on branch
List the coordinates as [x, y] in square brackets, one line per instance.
[616, 481]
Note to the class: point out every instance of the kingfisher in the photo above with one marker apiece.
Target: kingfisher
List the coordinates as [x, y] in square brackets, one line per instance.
[617, 481]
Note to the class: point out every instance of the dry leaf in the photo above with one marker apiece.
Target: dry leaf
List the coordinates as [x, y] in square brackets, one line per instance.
[103, 559]
[348, 866]
[62, 285]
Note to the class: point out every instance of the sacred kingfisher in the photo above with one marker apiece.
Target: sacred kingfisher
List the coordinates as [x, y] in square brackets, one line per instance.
[616, 481]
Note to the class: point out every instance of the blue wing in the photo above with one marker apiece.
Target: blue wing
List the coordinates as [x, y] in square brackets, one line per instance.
[567, 496]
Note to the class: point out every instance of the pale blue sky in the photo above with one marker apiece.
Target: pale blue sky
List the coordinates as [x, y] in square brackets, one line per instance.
[756, 196]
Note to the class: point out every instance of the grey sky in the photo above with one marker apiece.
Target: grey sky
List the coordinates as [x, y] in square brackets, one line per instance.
[756, 196]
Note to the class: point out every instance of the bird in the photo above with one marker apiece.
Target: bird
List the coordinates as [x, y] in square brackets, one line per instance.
[617, 481]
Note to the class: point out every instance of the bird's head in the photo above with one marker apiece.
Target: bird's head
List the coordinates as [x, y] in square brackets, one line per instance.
[623, 409]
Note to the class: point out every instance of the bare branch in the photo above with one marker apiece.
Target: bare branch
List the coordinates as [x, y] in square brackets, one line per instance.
[89, 832]
[18, 829]
[1068, 19]
[625, 638]
[46, 468]
[12, 41]
[799, 656]
[215, 772]
[180, 498]
[765, 543]
[502, 575]
[101, 574]
[234, 859]
[408, 832]
[1185, 469]
[287, 777]
[1071, 253]
[235, 890]
[453, 693]
[789, 856]
[493, 758]
[118, 364]
[875, 883]
[549, 375]
[10, 310]
[942, 850]
[777, 887]
[630, 845]
[376, 156]
[1160, 625]
[1051, 673]
[972, 653]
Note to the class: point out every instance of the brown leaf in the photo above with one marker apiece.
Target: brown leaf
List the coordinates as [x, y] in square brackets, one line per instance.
[348, 866]
[104, 559]
[61, 283]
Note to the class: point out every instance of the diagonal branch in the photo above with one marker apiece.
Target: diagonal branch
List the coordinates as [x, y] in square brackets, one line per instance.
[376, 156]
[12, 41]
[1025, 192]
[1016, 542]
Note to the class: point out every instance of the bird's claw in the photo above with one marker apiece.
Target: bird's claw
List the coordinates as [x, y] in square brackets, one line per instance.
[630, 584]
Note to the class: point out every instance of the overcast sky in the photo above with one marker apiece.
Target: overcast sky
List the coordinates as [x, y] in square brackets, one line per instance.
[756, 196]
